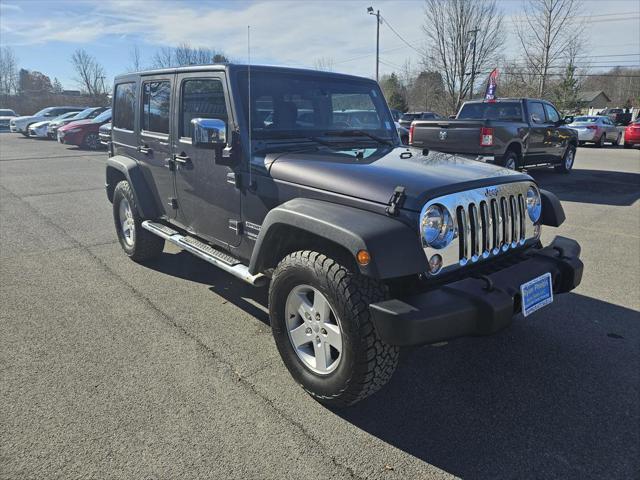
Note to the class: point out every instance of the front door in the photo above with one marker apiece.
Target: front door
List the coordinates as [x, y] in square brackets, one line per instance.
[154, 147]
[537, 147]
[208, 200]
[556, 136]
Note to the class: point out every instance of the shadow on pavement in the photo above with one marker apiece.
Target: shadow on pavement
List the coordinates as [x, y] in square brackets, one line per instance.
[186, 266]
[591, 186]
[551, 397]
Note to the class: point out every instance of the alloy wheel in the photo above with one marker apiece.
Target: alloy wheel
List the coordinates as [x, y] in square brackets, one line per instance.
[127, 223]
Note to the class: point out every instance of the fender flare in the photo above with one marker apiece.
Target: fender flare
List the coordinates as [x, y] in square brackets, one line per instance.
[394, 247]
[132, 172]
[552, 211]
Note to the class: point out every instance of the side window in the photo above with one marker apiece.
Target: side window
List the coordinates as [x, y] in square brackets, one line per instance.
[202, 98]
[124, 106]
[156, 100]
[552, 114]
[536, 113]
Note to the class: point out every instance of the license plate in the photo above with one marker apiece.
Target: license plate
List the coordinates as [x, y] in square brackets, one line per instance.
[536, 294]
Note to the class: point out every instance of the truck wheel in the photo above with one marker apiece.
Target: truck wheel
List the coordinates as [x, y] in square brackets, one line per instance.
[510, 160]
[138, 243]
[567, 160]
[321, 324]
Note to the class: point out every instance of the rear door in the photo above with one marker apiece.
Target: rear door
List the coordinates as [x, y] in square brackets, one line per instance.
[154, 148]
[537, 146]
[208, 200]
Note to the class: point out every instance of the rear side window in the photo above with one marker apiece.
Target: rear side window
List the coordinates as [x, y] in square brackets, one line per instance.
[124, 106]
[156, 100]
[536, 113]
[552, 114]
[202, 98]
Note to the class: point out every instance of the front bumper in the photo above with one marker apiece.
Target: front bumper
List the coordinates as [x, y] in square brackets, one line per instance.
[479, 305]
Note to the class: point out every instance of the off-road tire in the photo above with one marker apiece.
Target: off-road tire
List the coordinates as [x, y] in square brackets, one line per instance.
[510, 160]
[562, 167]
[146, 245]
[366, 362]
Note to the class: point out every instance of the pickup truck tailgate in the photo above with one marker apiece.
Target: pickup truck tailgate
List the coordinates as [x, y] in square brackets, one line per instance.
[451, 136]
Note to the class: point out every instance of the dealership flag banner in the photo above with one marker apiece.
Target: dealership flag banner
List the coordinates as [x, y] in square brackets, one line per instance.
[492, 84]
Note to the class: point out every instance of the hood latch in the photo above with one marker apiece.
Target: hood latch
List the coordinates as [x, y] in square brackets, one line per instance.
[396, 201]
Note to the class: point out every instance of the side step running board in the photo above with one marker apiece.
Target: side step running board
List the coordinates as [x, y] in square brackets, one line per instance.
[206, 252]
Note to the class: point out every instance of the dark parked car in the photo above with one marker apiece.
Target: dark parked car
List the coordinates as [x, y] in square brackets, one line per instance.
[84, 114]
[366, 245]
[617, 115]
[407, 118]
[84, 133]
[513, 132]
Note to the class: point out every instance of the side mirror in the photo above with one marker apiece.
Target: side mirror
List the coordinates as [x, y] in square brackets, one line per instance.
[208, 132]
[568, 119]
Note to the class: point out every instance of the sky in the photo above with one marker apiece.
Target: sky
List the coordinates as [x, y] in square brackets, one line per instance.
[44, 34]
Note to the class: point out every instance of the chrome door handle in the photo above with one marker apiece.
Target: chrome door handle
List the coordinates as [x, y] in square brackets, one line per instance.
[182, 159]
[144, 149]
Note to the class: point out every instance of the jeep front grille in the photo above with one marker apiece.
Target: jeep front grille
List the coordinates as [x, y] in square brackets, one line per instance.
[487, 222]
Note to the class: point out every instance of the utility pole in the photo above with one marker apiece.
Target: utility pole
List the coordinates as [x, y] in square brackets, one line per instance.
[377, 15]
[473, 61]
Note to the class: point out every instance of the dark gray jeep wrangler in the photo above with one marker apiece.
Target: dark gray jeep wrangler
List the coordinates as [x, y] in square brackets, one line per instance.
[366, 245]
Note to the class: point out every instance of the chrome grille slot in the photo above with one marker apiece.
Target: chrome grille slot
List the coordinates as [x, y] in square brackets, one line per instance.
[487, 222]
[484, 219]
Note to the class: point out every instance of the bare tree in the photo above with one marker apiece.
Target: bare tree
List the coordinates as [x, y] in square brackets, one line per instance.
[134, 57]
[90, 74]
[8, 71]
[185, 54]
[324, 63]
[546, 28]
[452, 29]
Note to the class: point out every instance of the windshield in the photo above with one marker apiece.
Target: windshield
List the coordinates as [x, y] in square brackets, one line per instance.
[7, 113]
[585, 120]
[501, 111]
[86, 113]
[43, 112]
[301, 105]
[103, 117]
[66, 115]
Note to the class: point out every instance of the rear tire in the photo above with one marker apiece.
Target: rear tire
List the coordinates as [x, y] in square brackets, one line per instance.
[138, 243]
[601, 140]
[363, 364]
[617, 141]
[567, 160]
[91, 141]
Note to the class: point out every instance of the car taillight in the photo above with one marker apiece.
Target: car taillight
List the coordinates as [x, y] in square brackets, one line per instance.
[591, 127]
[486, 137]
[411, 134]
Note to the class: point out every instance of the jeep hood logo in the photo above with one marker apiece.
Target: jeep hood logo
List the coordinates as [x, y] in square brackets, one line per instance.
[491, 192]
[443, 134]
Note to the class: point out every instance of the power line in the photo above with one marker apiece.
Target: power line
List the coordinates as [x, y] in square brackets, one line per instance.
[386, 22]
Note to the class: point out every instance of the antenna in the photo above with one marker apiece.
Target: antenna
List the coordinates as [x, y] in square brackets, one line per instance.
[249, 102]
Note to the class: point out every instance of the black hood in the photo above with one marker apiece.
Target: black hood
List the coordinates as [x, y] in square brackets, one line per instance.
[375, 175]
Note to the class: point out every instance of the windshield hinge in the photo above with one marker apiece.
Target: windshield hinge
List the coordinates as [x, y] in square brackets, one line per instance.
[396, 201]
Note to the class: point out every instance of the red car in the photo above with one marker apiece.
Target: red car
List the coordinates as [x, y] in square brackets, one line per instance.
[84, 133]
[632, 134]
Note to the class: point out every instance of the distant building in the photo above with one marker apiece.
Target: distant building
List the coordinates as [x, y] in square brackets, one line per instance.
[592, 102]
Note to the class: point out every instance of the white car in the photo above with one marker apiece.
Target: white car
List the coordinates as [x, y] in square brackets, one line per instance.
[5, 117]
[41, 129]
[21, 124]
[596, 129]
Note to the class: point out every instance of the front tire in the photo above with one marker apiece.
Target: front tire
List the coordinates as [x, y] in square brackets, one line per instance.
[138, 243]
[567, 160]
[320, 320]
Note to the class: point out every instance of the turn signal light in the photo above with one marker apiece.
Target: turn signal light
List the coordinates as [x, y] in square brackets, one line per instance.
[363, 258]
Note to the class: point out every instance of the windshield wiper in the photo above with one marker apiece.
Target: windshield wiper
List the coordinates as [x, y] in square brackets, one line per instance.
[360, 133]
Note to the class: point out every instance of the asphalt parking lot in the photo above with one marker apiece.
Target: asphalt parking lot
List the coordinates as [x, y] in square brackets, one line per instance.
[112, 369]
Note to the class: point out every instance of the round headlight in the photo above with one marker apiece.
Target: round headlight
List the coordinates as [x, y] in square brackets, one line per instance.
[534, 204]
[437, 226]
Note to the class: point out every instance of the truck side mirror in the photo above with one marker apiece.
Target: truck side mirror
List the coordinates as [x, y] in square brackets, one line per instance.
[208, 133]
[568, 119]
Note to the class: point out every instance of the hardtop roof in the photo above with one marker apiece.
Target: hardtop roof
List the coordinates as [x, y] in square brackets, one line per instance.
[230, 67]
